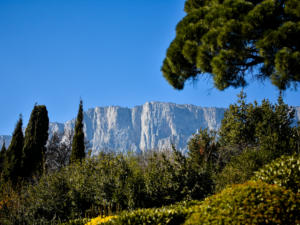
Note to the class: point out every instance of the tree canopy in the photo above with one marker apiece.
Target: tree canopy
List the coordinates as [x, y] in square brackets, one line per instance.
[12, 168]
[78, 147]
[36, 136]
[230, 39]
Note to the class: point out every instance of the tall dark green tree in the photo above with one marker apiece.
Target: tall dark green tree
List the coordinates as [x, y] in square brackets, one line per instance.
[78, 148]
[2, 157]
[36, 136]
[13, 161]
[230, 39]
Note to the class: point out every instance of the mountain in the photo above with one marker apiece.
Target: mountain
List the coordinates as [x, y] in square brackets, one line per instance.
[154, 125]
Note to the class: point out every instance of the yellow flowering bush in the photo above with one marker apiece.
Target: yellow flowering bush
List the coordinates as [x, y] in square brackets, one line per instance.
[249, 203]
[100, 220]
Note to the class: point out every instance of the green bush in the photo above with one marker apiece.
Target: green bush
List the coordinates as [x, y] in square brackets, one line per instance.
[107, 184]
[175, 214]
[249, 203]
[242, 167]
[82, 221]
[284, 171]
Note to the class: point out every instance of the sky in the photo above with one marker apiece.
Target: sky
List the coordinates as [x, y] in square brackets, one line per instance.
[54, 52]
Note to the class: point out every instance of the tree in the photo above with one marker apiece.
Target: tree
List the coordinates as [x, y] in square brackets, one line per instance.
[13, 161]
[252, 135]
[274, 130]
[78, 148]
[57, 152]
[238, 125]
[266, 126]
[36, 136]
[203, 147]
[233, 38]
[2, 157]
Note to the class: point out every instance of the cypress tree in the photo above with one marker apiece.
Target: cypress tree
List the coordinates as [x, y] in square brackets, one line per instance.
[78, 148]
[2, 157]
[13, 160]
[36, 136]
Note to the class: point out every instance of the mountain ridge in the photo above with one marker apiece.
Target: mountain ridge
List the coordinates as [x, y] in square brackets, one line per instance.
[153, 125]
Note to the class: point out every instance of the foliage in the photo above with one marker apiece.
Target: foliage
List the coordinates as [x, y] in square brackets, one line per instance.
[266, 126]
[203, 147]
[249, 203]
[78, 148]
[57, 153]
[82, 221]
[174, 179]
[241, 167]
[12, 170]
[284, 171]
[11, 204]
[100, 220]
[238, 125]
[233, 38]
[36, 136]
[166, 215]
[2, 158]
[110, 183]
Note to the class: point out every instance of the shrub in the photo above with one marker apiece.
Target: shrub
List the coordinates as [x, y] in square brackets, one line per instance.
[242, 167]
[77, 222]
[100, 220]
[284, 171]
[164, 215]
[249, 203]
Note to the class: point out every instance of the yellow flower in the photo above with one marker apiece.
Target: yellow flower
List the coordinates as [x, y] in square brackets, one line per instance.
[100, 220]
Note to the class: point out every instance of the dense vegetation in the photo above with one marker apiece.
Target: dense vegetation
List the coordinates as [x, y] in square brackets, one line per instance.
[249, 203]
[107, 184]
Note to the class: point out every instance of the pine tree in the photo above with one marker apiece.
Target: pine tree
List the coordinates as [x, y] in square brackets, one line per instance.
[266, 127]
[2, 157]
[36, 136]
[231, 40]
[238, 125]
[78, 148]
[275, 130]
[13, 161]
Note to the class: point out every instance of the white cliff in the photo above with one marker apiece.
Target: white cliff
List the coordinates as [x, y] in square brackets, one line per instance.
[154, 125]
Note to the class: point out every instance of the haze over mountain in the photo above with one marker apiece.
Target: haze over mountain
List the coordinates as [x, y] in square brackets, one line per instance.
[154, 125]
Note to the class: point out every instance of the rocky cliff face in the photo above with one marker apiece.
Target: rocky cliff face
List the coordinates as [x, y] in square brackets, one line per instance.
[154, 125]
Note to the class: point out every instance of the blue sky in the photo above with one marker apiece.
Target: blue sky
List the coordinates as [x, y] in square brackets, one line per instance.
[106, 52]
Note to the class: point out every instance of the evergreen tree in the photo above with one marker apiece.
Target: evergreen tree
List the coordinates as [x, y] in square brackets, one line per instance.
[2, 157]
[266, 126]
[229, 40]
[36, 136]
[274, 130]
[238, 125]
[13, 161]
[78, 148]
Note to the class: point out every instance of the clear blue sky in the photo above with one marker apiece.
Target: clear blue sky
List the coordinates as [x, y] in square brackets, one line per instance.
[106, 52]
